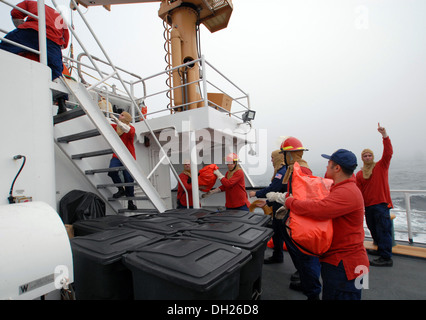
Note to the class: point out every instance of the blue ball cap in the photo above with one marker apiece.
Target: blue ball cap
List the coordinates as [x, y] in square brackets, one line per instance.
[344, 158]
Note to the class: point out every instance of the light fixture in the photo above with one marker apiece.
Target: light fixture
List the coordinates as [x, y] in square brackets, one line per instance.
[248, 115]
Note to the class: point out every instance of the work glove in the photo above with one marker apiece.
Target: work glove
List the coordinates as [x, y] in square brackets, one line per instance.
[276, 197]
[281, 212]
[121, 125]
[218, 174]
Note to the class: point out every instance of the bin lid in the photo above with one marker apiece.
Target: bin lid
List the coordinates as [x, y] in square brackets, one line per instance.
[108, 246]
[161, 224]
[240, 216]
[242, 235]
[189, 214]
[83, 227]
[194, 263]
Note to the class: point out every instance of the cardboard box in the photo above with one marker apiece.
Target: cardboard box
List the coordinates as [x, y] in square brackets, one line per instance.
[221, 100]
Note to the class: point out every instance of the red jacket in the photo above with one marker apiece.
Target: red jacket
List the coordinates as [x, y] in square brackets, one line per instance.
[345, 206]
[181, 195]
[235, 190]
[56, 28]
[375, 190]
[128, 140]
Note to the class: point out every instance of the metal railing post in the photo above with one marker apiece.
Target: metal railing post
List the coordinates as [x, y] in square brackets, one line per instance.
[203, 64]
[408, 211]
[42, 32]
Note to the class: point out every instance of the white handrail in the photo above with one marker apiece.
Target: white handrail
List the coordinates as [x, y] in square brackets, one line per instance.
[42, 42]
[204, 84]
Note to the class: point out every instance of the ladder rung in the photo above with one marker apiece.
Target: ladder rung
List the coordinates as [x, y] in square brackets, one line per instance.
[123, 184]
[104, 170]
[74, 113]
[91, 154]
[128, 198]
[79, 136]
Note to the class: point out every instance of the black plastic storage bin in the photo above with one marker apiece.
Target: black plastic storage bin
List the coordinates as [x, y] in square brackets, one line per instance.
[98, 270]
[249, 237]
[167, 226]
[86, 227]
[182, 268]
[238, 216]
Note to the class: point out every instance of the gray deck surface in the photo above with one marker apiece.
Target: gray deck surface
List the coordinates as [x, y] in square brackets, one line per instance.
[406, 280]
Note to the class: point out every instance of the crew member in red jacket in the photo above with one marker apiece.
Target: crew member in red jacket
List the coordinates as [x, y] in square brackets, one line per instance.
[127, 134]
[373, 182]
[26, 33]
[344, 264]
[186, 179]
[233, 183]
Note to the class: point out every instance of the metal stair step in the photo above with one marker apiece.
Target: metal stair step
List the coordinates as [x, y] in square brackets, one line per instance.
[72, 114]
[128, 198]
[79, 136]
[93, 171]
[91, 154]
[123, 184]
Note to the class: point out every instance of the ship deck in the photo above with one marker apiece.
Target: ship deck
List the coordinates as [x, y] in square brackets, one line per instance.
[406, 280]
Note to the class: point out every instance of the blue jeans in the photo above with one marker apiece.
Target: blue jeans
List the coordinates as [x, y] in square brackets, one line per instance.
[29, 38]
[379, 223]
[308, 266]
[115, 162]
[336, 285]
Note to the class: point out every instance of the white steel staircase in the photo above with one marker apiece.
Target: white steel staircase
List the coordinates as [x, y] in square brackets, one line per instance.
[87, 138]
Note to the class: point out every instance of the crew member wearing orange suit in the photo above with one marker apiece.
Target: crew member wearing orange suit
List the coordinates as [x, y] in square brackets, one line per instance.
[306, 279]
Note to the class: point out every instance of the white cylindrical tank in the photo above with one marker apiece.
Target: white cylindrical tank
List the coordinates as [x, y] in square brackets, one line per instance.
[35, 252]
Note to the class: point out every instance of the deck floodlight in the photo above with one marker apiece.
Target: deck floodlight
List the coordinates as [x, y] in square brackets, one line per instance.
[248, 115]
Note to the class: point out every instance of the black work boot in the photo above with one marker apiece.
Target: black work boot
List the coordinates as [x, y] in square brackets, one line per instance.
[131, 206]
[121, 192]
[382, 262]
[61, 106]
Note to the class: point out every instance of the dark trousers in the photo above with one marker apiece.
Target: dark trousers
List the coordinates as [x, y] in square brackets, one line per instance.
[244, 207]
[29, 38]
[278, 238]
[115, 162]
[308, 266]
[336, 285]
[379, 223]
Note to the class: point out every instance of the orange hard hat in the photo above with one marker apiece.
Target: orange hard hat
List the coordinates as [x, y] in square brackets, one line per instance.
[292, 144]
[231, 158]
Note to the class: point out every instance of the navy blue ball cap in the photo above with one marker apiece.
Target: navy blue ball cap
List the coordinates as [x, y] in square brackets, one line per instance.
[344, 158]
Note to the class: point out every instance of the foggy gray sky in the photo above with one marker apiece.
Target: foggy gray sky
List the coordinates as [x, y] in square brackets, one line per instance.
[324, 71]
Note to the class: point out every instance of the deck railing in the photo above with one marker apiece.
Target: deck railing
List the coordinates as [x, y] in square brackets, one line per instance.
[409, 211]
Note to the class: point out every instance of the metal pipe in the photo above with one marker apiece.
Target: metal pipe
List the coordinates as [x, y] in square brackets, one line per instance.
[408, 211]
[194, 170]
[42, 32]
